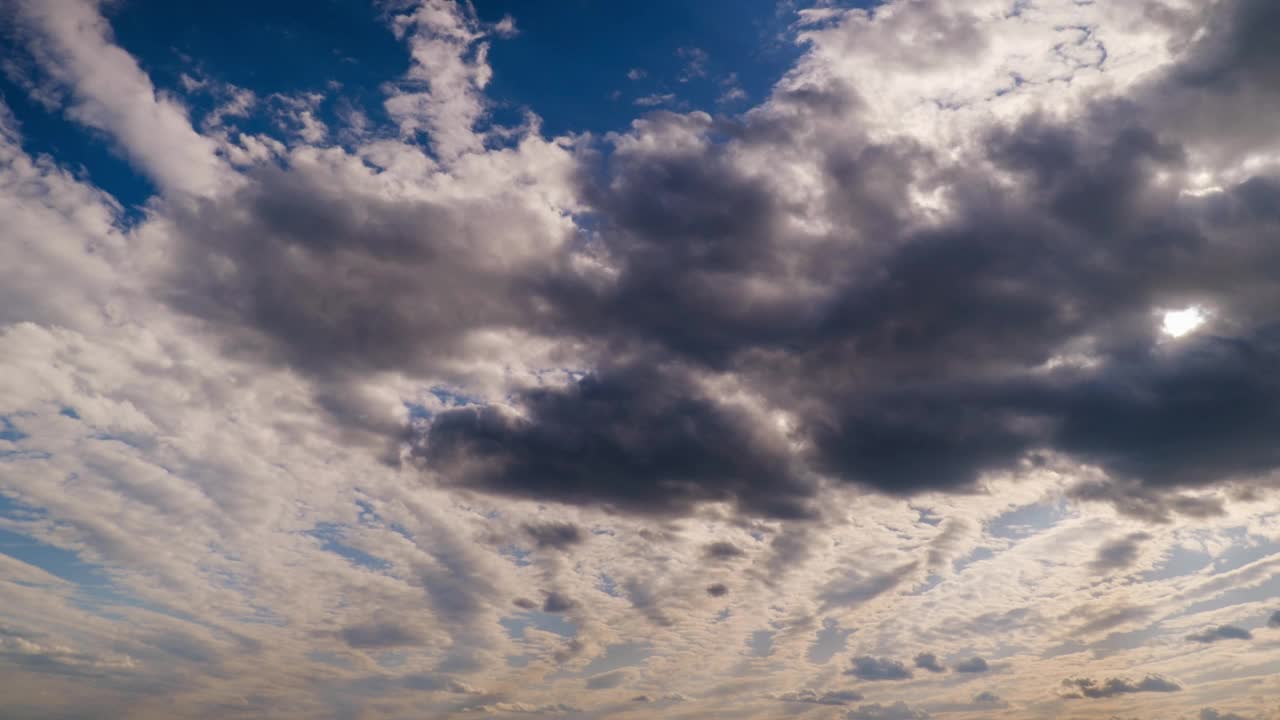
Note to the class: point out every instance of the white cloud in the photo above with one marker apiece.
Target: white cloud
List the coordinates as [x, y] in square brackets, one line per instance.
[112, 94]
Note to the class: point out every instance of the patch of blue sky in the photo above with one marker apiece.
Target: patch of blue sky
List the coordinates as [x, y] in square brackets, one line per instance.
[760, 643]
[608, 585]
[95, 590]
[1028, 520]
[744, 44]
[515, 625]
[452, 397]
[931, 582]
[830, 640]
[1179, 562]
[978, 554]
[330, 536]
[343, 48]
[54, 560]
[1265, 591]
[10, 432]
[619, 656]
[1244, 549]
[517, 555]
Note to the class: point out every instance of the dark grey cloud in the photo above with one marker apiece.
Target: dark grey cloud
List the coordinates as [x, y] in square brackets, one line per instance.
[718, 590]
[986, 697]
[948, 327]
[829, 697]
[1274, 620]
[929, 661]
[557, 603]
[1221, 632]
[896, 711]
[913, 356]
[1213, 714]
[637, 438]
[1120, 553]
[558, 535]
[379, 635]
[524, 603]
[972, 665]
[1111, 687]
[866, 667]
[722, 551]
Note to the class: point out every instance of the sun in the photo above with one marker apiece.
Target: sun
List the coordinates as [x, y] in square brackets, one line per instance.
[1177, 323]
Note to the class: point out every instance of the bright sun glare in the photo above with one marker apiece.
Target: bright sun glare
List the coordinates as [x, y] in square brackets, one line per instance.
[1177, 323]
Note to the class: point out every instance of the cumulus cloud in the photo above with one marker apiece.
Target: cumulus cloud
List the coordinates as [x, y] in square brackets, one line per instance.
[972, 665]
[929, 661]
[1111, 687]
[866, 667]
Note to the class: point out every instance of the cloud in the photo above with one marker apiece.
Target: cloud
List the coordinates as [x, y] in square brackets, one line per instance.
[695, 63]
[1274, 620]
[655, 100]
[929, 661]
[972, 665]
[856, 588]
[897, 711]
[557, 603]
[557, 535]
[442, 94]
[1221, 632]
[379, 635]
[114, 95]
[829, 697]
[1120, 553]
[866, 667]
[608, 681]
[1212, 714]
[990, 303]
[393, 360]
[650, 446]
[522, 708]
[722, 551]
[1111, 687]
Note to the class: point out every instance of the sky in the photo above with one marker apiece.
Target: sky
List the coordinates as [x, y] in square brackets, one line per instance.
[403, 359]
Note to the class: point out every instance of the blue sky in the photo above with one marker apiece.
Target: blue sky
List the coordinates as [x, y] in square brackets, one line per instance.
[620, 360]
